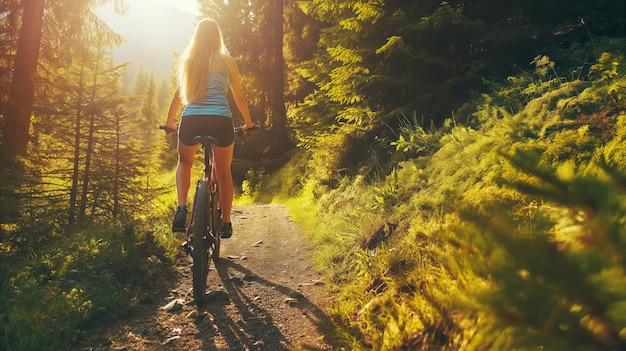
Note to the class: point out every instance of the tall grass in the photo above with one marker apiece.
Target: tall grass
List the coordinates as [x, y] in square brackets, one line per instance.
[507, 234]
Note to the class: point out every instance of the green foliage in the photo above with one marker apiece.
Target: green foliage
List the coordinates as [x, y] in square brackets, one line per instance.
[556, 274]
[506, 233]
[607, 89]
[413, 140]
[380, 59]
[81, 240]
[39, 318]
[96, 274]
[284, 184]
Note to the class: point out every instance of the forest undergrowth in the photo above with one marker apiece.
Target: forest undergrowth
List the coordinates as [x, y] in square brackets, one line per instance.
[505, 232]
[502, 229]
[59, 282]
[500, 225]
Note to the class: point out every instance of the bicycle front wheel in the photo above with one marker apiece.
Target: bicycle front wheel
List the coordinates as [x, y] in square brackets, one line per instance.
[199, 241]
[215, 226]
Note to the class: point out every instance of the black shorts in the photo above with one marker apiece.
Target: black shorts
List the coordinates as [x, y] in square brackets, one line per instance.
[218, 127]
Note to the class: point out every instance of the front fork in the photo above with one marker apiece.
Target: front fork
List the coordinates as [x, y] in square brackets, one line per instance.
[186, 246]
[207, 169]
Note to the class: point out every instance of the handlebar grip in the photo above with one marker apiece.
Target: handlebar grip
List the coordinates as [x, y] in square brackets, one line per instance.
[240, 131]
[167, 129]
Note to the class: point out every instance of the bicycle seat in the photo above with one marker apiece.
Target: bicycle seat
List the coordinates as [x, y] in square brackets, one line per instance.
[203, 139]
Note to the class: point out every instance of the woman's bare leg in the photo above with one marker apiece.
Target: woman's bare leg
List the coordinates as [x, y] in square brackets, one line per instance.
[183, 171]
[223, 161]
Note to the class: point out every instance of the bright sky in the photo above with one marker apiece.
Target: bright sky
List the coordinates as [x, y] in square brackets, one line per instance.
[154, 29]
[190, 6]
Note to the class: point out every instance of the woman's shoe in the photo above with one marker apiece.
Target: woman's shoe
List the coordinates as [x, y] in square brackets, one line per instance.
[180, 218]
[227, 230]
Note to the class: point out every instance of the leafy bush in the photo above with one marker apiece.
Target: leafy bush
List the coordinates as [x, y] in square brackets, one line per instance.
[100, 272]
[507, 234]
[555, 275]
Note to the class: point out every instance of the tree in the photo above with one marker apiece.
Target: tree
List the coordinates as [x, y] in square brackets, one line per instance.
[380, 61]
[163, 94]
[140, 82]
[300, 42]
[69, 27]
[377, 60]
[79, 111]
[20, 103]
[277, 114]
[149, 113]
[99, 166]
[9, 27]
[74, 20]
[125, 162]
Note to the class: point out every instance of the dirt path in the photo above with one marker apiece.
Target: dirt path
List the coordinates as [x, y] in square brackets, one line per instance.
[266, 295]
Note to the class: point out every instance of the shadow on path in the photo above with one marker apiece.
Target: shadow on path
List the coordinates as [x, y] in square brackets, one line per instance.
[256, 327]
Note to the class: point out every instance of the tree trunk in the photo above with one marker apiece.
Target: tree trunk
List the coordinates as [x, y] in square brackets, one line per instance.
[118, 154]
[277, 116]
[76, 161]
[82, 215]
[20, 104]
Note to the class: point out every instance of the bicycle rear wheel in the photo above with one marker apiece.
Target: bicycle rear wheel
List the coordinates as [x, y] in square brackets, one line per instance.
[200, 241]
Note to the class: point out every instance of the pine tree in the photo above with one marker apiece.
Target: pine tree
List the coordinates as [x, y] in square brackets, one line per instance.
[85, 97]
[149, 113]
[123, 166]
[301, 36]
[163, 95]
[140, 82]
[20, 102]
[70, 27]
[70, 19]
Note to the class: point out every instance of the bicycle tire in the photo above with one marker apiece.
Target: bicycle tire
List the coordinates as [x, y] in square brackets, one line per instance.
[216, 223]
[200, 254]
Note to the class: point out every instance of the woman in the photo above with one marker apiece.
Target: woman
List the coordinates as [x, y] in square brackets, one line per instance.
[205, 73]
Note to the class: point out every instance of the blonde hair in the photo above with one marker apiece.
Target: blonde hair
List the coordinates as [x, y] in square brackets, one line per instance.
[198, 60]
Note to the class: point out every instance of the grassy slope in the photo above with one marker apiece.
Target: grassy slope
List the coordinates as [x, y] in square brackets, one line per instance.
[508, 235]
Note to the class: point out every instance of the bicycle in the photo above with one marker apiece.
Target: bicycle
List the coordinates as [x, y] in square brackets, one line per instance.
[205, 222]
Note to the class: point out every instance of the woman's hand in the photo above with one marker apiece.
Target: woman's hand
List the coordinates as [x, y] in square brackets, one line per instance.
[248, 126]
[170, 128]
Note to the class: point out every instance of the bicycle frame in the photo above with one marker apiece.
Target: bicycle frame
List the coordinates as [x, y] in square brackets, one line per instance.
[211, 177]
[202, 235]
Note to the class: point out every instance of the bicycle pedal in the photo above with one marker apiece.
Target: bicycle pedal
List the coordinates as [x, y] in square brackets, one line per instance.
[187, 248]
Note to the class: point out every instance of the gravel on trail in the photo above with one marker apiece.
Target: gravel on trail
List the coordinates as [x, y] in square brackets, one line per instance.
[264, 294]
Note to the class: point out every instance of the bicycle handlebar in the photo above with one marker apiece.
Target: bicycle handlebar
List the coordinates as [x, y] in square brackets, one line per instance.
[167, 129]
[238, 130]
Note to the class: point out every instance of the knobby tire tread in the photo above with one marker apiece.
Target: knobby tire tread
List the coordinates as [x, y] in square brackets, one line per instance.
[216, 224]
[200, 267]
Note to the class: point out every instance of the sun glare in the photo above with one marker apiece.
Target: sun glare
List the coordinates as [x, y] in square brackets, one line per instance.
[153, 29]
[189, 6]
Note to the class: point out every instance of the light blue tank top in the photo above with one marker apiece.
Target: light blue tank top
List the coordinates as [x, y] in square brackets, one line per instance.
[214, 101]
